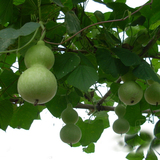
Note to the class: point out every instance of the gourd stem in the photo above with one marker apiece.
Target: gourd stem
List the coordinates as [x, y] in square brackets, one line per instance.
[43, 30]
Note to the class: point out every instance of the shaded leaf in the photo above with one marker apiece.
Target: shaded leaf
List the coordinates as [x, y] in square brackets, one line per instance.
[58, 2]
[9, 34]
[127, 57]
[65, 63]
[83, 77]
[134, 116]
[6, 113]
[106, 62]
[6, 11]
[72, 22]
[9, 81]
[57, 105]
[24, 115]
[102, 115]
[144, 71]
[157, 129]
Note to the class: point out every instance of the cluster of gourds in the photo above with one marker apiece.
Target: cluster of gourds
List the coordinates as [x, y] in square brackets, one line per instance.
[70, 133]
[37, 84]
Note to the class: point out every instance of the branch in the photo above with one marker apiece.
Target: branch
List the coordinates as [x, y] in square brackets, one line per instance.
[102, 22]
[107, 94]
[107, 108]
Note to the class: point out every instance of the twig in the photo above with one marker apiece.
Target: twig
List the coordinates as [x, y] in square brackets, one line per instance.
[102, 22]
[107, 94]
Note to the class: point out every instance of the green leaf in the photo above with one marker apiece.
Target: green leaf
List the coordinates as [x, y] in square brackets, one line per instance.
[65, 63]
[91, 130]
[102, 115]
[155, 143]
[134, 116]
[151, 155]
[18, 2]
[24, 115]
[157, 129]
[57, 105]
[106, 62]
[144, 71]
[99, 16]
[127, 57]
[6, 11]
[9, 34]
[133, 140]
[72, 22]
[6, 113]
[135, 156]
[58, 2]
[83, 77]
[9, 81]
[90, 148]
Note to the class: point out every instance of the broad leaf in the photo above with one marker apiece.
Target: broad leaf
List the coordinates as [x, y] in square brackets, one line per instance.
[83, 77]
[135, 156]
[9, 34]
[57, 105]
[106, 62]
[72, 22]
[9, 81]
[58, 2]
[6, 11]
[127, 57]
[6, 113]
[102, 115]
[151, 155]
[144, 71]
[24, 115]
[65, 63]
[91, 131]
[90, 148]
[134, 116]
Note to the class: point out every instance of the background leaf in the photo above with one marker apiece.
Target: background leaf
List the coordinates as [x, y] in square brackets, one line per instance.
[144, 71]
[6, 11]
[106, 62]
[65, 63]
[83, 77]
[127, 57]
[72, 22]
[9, 34]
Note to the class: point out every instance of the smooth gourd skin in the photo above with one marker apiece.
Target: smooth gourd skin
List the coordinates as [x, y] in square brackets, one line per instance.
[70, 133]
[39, 54]
[120, 110]
[37, 84]
[130, 93]
[121, 126]
[152, 94]
[69, 115]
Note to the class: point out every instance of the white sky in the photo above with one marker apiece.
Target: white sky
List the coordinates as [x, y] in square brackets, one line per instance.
[42, 141]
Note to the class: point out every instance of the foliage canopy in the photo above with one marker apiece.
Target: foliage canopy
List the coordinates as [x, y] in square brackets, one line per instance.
[90, 50]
